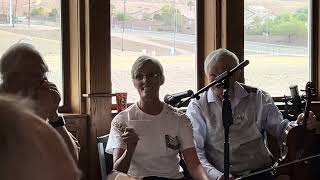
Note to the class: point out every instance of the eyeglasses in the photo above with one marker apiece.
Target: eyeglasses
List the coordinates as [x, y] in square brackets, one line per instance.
[152, 76]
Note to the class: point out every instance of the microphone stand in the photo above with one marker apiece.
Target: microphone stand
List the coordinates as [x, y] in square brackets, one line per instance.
[227, 120]
[219, 79]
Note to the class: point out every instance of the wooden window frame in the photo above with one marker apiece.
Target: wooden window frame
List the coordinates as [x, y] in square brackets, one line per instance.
[71, 55]
[200, 53]
[228, 20]
[65, 55]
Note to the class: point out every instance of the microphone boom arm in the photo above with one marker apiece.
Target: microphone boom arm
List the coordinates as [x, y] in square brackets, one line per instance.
[219, 79]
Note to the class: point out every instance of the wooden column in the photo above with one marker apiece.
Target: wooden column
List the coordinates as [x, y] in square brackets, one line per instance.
[98, 76]
[232, 28]
[315, 48]
[209, 32]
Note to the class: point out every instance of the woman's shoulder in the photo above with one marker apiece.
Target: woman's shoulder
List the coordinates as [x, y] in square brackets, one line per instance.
[174, 112]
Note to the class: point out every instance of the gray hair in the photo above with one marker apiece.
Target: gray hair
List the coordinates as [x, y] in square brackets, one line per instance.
[14, 59]
[142, 60]
[221, 54]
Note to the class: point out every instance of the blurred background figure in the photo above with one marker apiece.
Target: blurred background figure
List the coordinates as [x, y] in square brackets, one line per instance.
[30, 149]
[23, 71]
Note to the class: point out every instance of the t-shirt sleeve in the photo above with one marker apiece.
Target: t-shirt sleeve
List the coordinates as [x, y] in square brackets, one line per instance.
[118, 126]
[185, 133]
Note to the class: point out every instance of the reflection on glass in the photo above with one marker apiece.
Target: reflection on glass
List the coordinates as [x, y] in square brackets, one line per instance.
[276, 43]
[162, 29]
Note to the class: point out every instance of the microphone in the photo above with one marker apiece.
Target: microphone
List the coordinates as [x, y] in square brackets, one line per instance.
[296, 100]
[227, 74]
[174, 99]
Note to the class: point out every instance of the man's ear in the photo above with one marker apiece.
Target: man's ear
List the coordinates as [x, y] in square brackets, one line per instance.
[237, 75]
[162, 81]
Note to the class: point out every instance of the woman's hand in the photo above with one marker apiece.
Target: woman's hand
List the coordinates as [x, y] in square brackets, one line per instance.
[130, 137]
[312, 123]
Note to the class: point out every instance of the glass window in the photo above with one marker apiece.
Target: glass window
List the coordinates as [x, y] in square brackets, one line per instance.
[164, 30]
[276, 44]
[38, 23]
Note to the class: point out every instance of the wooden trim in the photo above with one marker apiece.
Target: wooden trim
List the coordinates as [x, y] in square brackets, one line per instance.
[223, 28]
[223, 24]
[218, 23]
[83, 72]
[211, 25]
[98, 95]
[71, 56]
[75, 50]
[233, 22]
[65, 55]
[98, 76]
[314, 44]
[200, 45]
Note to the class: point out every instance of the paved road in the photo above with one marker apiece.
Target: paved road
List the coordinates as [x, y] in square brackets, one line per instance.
[249, 46]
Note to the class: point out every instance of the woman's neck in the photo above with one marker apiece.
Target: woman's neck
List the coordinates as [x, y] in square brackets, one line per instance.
[152, 107]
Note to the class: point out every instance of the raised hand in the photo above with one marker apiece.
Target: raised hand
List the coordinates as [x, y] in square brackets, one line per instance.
[130, 137]
[48, 99]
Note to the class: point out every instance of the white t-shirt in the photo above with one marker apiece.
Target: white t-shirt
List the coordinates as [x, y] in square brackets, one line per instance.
[160, 138]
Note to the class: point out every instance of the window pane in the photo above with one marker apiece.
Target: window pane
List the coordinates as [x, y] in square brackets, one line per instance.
[38, 23]
[164, 30]
[276, 44]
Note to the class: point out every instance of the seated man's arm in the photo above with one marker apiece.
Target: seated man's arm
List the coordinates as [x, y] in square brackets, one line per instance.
[48, 99]
[71, 141]
[199, 134]
[271, 117]
[194, 166]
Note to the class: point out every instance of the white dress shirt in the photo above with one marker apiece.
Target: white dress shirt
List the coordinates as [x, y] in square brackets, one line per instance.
[253, 113]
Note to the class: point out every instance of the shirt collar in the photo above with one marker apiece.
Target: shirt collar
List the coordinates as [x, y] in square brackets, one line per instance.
[239, 92]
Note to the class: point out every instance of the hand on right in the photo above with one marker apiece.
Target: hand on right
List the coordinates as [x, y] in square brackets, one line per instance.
[222, 177]
[130, 137]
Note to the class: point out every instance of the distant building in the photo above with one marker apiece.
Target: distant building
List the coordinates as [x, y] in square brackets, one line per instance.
[252, 12]
[22, 6]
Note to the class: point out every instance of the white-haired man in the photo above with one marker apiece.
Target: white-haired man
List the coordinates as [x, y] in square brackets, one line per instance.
[254, 112]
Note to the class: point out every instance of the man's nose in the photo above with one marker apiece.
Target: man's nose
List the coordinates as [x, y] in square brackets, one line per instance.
[146, 78]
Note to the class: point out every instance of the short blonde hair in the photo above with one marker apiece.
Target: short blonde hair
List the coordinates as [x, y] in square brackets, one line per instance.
[142, 60]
